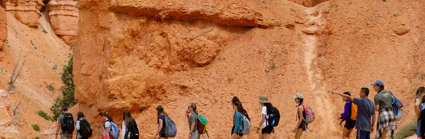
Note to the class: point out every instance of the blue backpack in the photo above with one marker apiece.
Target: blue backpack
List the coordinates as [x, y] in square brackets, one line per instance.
[114, 131]
[397, 105]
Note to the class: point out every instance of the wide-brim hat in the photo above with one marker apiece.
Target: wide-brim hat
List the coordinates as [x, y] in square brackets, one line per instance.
[299, 96]
[263, 99]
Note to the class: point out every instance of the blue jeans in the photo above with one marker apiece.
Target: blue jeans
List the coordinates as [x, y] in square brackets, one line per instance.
[361, 134]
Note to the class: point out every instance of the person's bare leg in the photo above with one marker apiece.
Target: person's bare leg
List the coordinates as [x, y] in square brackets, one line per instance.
[384, 134]
[299, 133]
[345, 133]
[234, 136]
[266, 136]
[260, 136]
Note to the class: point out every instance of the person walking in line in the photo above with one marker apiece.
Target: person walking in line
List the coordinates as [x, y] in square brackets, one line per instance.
[65, 125]
[129, 129]
[418, 107]
[192, 118]
[383, 104]
[161, 122]
[240, 112]
[346, 116]
[84, 130]
[365, 111]
[110, 129]
[266, 128]
[301, 124]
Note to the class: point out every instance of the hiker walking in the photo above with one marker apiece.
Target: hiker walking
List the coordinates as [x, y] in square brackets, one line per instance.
[192, 118]
[264, 125]
[129, 129]
[238, 119]
[418, 107]
[65, 125]
[349, 115]
[365, 111]
[301, 115]
[383, 104]
[110, 129]
[84, 130]
[161, 122]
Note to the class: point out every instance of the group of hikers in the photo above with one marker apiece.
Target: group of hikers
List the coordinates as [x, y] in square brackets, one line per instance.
[358, 112]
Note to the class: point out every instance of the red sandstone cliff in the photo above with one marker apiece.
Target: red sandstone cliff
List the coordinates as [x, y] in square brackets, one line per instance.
[137, 54]
[64, 18]
[3, 30]
[26, 11]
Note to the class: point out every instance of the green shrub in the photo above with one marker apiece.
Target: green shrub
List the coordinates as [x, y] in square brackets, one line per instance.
[67, 90]
[406, 130]
[36, 127]
[44, 115]
[50, 87]
[36, 138]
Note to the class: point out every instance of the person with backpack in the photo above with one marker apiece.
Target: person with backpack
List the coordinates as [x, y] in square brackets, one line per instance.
[192, 118]
[365, 112]
[349, 115]
[129, 129]
[240, 125]
[65, 125]
[110, 129]
[302, 125]
[84, 130]
[418, 107]
[160, 133]
[384, 104]
[269, 118]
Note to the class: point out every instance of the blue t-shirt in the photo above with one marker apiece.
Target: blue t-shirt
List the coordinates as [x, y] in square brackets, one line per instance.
[162, 117]
[365, 111]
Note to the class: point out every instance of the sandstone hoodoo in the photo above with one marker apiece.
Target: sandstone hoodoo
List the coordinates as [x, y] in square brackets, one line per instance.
[26, 11]
[138, 54]
[63, 16]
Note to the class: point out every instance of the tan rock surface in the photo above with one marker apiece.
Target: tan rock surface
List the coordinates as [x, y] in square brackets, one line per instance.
[26, 11]
[3, 31]
[63, 16]
[137, 54]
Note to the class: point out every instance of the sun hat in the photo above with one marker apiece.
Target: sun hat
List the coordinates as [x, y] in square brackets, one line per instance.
[299, 96]
[263, 99]
[378, 82]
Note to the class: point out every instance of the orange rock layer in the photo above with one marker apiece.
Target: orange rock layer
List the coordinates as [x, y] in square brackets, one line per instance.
[26, 11]
[64, 19]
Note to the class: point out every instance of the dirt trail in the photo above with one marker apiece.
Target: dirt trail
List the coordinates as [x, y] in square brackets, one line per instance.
[323, 107]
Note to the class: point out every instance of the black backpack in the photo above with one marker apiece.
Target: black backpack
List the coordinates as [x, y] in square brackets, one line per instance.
[67, 124]
[274, 117]
[85, 129]
[132, 131]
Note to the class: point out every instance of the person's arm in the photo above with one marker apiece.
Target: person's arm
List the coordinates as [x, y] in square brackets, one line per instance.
[107, 132]
[58, 129]
[159, 128]
[417, 108]
[192, 125]
[263, 117]
[300, 116]
[373, 122]
[343, 95]
[346, 113]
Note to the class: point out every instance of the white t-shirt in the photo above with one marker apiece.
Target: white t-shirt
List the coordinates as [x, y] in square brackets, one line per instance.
[123, 129]
[107, 125]
[264, 111]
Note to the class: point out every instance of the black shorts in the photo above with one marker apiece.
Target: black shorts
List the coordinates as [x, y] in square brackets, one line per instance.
[349, 124]
[267, 130]
[303, 125]
[239, 134]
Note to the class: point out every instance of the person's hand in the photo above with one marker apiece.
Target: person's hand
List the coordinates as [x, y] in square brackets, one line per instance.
[258, 130]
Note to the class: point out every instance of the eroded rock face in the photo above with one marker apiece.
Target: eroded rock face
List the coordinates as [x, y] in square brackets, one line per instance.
[308, 3]
[26, 11]
[8, 130]
[3, 29]
[64, 19]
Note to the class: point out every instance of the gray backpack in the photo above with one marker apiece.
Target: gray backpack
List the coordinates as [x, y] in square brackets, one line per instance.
[170, 127]
[246, 126]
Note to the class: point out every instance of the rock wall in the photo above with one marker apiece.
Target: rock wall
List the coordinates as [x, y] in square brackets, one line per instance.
[308, 3]
[26, 11]
[64, 19]
[138, 54]
[3, 30]
[8, 129]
